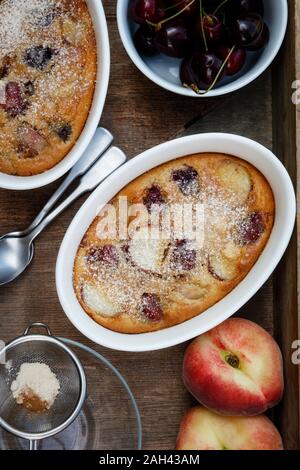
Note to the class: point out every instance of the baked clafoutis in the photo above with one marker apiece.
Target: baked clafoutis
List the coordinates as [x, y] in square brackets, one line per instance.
[48, 63]
[147, 282]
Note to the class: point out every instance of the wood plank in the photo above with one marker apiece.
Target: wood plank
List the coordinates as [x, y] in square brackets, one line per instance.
[286, 314]
[297, 66]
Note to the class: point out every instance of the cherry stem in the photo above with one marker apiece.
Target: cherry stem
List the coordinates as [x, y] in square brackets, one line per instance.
[171, 7]
[220, 6]
[219, 73]
[158, 25]
[210, 19]
[202, 27]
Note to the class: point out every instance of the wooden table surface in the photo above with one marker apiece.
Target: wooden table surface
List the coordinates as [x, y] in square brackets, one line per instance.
[140, 115]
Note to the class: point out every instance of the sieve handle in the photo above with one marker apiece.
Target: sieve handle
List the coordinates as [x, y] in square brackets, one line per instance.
[37, 325]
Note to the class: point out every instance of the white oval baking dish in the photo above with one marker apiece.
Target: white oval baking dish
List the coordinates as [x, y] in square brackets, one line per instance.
[103, 53]
[256, 154]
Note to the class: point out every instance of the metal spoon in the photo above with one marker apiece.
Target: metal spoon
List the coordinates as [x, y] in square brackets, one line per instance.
[16, 251]
[100, 142]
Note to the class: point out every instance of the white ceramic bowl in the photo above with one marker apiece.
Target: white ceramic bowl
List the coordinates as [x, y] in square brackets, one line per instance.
[103, 53]
[241, 147]
[164, 71]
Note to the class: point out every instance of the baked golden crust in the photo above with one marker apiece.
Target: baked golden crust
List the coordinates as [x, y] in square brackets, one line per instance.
[134, 288]
[48, 63]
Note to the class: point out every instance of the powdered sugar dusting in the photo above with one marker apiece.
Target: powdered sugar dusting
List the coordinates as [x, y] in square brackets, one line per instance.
[19, 19]
[47, 77]
[36, 386]
[173, 268]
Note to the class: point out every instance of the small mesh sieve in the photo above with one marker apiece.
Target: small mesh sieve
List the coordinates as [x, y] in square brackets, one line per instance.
[63, 362]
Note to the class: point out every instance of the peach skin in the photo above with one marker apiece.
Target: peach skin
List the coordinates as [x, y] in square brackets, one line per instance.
[201, 429]
[235, 369]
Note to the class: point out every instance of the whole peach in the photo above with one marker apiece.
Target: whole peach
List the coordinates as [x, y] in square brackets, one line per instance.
[235, 369]
[202, 429]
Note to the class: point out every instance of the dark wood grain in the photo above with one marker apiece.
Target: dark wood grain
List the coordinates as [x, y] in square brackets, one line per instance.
[140, 115]
[286, 312]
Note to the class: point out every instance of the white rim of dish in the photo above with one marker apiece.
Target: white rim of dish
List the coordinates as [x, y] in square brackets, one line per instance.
[213, 316]
[102, 81]
[235, 85]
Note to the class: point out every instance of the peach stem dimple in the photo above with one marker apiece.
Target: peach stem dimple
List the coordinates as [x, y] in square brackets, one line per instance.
[232, 360]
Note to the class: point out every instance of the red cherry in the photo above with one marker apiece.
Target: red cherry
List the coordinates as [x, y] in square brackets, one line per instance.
[183, 257]
[31, 141]
[251, 229]
[186, 179]
[153, 197]
[189, 73]
[147, 10]
[144, 40]
[236, 60]
[151, 307]
[261, 41]
[173, 38]
[106, 254]
[211, 26]
[209, 67]
[200, 70]
[14, 102]
[64, 131]
[38, 57]
[250, 32]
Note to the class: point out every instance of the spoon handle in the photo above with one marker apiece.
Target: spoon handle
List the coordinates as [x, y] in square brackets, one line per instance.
[100, 142]
[112, 159]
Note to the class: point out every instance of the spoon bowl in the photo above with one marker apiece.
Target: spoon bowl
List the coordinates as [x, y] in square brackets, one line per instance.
[15, 254]
[12, 235]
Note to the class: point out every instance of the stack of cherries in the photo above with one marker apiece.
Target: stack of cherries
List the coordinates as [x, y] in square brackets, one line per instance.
[211, 36]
